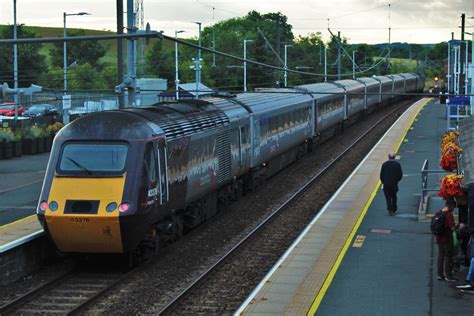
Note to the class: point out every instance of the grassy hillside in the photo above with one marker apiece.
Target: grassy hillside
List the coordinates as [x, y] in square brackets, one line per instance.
[110, 57]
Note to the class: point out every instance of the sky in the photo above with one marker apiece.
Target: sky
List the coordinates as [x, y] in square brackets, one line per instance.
[361, 21]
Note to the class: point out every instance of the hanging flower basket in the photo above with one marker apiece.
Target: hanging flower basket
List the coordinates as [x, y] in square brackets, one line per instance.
[449, 158]
[448, 137]
[449, 162]
[451, 186]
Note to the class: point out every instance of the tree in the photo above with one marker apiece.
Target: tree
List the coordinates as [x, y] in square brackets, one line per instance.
[81, 52]
[31, 64]
[160, 61]
[86, 77]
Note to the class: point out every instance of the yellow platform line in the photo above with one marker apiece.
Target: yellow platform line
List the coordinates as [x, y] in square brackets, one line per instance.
[17, 221]
[319, 298]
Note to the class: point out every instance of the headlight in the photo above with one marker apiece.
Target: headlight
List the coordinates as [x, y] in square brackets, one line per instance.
[111, 207]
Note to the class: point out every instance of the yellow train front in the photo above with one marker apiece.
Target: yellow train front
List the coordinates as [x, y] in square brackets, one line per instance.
[96, 196]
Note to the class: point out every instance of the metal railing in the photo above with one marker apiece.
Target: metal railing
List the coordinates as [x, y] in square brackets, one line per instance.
[425, 173]
[455, 113]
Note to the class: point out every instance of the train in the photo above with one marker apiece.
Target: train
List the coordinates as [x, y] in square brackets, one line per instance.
[123, 181]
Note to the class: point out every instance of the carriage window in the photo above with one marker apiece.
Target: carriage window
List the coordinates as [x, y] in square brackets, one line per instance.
[150, 162]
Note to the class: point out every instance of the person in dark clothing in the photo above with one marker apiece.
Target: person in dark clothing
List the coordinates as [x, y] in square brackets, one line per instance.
[445, 244]
[390, 174]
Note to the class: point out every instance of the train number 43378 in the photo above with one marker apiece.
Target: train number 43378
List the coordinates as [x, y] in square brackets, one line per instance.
[79, 220]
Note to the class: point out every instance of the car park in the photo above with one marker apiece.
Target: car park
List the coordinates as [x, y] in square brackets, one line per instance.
[41, 110]
[8, 109]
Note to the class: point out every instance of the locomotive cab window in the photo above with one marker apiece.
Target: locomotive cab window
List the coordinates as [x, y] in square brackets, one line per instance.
[150, 163]
[93, 159]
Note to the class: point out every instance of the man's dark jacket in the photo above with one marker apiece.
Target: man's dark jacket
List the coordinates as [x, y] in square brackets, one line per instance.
[391, 173]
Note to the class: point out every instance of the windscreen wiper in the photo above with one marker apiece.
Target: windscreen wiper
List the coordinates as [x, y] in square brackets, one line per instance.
[80, 166]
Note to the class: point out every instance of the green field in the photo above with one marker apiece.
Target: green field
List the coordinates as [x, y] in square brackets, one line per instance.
[109, 58]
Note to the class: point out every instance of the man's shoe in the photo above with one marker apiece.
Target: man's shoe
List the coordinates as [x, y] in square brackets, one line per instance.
[440, 278]
[469, 290]
[450, 279]
[464, 286]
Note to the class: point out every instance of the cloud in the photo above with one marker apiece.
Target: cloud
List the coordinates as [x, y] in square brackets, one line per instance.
[360, 21]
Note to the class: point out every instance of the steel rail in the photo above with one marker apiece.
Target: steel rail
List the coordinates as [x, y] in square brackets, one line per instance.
[296, 194]
[84, 305]
[80, 307]
[29, 296]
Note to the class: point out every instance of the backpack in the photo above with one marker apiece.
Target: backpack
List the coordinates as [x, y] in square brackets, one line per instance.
[438, 223]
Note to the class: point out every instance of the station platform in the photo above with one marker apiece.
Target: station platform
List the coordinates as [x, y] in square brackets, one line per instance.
[20, 188]
[354, 259]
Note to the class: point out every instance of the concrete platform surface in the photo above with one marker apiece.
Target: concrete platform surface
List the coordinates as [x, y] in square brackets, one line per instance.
[354, 259]
[20, 186]
[393, 272]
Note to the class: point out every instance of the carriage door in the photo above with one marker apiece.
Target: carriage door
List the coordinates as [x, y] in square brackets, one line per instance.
[163, 171]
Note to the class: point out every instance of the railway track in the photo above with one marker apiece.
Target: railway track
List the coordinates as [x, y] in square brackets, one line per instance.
[69, 294]
[90, 287]
[188, 302]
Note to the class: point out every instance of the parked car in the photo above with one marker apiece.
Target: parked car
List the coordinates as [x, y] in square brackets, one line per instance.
[41, 110]
[8, 109]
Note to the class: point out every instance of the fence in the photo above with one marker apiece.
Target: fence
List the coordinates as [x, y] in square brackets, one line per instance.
[425, 173]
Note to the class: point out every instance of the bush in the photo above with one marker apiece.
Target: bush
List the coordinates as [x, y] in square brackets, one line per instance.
[6, 135]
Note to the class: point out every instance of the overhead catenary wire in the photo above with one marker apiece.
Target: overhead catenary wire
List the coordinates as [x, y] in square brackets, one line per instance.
[165, 37]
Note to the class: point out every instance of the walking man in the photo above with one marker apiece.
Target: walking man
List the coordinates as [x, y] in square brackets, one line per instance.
[390, 174]
[445, 244]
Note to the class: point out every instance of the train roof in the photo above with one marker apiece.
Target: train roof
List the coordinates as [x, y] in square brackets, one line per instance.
[323, 89]
[107, 125]
[383, 79]
[271, 100]
[396, 77]
[350, 84]
[409, 75]
[369, 81]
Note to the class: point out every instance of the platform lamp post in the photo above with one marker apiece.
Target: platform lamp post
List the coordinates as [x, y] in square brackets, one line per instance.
[65, 47]
[325, 64]
[286, 65]
[245, 63]
[176, 81]
[197, 63]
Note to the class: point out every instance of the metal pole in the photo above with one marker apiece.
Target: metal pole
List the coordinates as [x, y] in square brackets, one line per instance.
[461, 53]
[286, 65]
[325, 64]
[456, 91]
[320, 55]
[64, 56]
[176, 81]
[120, 51]
[213, 47]
[449, 67]
[465, 68]
[15, 61]
[130, 53]
[472, 74]
[197, 63]
[245, 65]
[353, 65]
[176, 64]
[339, 56]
